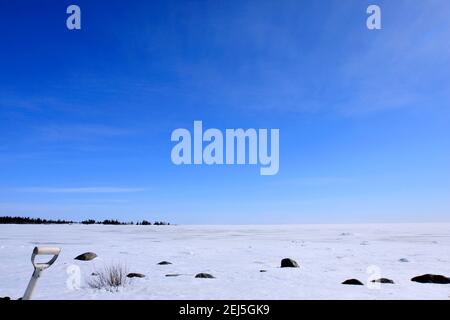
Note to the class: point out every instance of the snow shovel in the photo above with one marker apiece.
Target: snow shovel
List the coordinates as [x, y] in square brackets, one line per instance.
[39, 267]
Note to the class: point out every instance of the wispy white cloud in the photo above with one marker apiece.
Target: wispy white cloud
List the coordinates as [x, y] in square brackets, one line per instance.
[318, 181]
[402, 66]
[367, 72]
[79, 190]
[16, 101]
[80, 132]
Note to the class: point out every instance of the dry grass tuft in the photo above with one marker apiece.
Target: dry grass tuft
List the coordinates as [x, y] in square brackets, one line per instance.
[110, 278]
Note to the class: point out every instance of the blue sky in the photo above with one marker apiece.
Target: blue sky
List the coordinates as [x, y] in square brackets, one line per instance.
[364, 118]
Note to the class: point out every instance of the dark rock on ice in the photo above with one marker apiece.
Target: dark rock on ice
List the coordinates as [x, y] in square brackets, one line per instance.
[431, 278]
[383, 280]
[87, 256]
[204, 276]
[354, 282]
[135, 275]
[289, 263]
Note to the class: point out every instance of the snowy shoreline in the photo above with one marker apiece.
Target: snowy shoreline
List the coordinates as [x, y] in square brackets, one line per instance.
[235, 255]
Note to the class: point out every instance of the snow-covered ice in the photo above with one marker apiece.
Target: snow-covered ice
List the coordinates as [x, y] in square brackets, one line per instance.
[327, 255]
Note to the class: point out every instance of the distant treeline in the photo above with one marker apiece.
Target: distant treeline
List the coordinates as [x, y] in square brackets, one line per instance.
[116, 222]
[26, 220]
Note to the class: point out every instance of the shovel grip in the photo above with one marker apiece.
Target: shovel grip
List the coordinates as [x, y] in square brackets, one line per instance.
[39, 267]
[44, 251]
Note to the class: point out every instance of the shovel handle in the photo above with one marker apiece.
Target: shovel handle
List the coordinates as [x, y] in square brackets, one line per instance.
[44, 251]
[39, 267]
